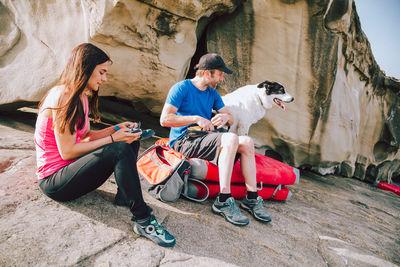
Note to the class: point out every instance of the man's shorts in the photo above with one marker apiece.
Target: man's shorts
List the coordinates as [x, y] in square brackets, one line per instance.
[207, 146]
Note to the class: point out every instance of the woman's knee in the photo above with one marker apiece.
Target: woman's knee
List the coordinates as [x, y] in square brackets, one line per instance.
[120, 149]
[135, 146]
[230, 140]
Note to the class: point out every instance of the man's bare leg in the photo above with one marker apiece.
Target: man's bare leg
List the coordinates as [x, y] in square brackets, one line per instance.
[248, 165]
[232, 144]
[248, 162]
[229, 144]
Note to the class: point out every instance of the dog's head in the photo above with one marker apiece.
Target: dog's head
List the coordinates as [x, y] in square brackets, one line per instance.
[274, 93]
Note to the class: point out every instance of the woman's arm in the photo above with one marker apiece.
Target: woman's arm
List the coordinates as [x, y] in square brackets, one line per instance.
[69, 149]
[66, 142]
[92, 135]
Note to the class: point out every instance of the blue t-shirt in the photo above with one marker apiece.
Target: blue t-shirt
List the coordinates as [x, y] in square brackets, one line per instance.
[189, 100]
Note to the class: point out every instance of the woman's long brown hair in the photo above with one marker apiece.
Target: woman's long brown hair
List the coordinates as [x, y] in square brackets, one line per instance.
[80, 66]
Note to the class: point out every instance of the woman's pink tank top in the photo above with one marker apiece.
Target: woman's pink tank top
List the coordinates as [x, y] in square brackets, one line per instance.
[48, 158]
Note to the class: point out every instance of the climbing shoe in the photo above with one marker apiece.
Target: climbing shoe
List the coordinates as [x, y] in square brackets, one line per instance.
[146, 134]
[150, 228]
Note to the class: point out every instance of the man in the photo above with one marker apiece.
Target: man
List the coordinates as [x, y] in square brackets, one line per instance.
[191, 102]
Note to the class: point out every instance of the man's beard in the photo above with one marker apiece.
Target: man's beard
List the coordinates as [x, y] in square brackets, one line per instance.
[213, 85]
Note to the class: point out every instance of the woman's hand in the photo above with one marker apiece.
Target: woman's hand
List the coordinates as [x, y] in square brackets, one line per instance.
[127, 124]
[124, 133]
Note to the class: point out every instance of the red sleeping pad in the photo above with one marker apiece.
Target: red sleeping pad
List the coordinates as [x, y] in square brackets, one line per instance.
[272, 176]
[277, 193]
[389, 187]
[269, 171]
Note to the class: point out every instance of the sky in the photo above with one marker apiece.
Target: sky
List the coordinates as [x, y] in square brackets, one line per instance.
[380, 21]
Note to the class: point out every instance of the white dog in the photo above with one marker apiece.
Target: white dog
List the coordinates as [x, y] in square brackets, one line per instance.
[248, 103]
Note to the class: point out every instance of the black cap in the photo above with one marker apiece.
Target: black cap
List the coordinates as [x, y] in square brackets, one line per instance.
[213, 61]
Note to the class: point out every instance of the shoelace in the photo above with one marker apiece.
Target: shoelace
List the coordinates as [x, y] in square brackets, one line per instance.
[234, 209]
[259, 205]
[159, 228]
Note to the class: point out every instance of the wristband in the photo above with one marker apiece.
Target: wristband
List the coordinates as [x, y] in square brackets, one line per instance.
[116, 128]
[112, 139]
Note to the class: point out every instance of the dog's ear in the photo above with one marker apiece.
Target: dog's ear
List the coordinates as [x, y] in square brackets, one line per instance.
[268, 88]
[276, 88]
[263, 84]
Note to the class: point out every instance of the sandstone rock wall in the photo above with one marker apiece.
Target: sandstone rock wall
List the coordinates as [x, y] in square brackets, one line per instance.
[151, 44]
[339, 120]
[36, 38]
[345, 118]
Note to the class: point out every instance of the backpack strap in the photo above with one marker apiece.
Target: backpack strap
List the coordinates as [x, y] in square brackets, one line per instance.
[185, 188]
[147, 150]
[279, 187]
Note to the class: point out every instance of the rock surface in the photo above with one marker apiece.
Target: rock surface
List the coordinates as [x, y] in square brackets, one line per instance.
[339, 120]
[328, 221]
[346, 112]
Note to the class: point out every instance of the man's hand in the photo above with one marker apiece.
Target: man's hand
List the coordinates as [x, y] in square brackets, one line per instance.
[220, 120]
[205, 124]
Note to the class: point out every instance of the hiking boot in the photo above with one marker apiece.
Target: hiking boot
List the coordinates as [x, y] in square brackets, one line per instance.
[256, 208]
[230, 211]
[146, 134]
[150, 228]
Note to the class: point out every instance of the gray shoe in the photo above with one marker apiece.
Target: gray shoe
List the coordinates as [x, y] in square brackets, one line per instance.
[256, 208]
[230, 211]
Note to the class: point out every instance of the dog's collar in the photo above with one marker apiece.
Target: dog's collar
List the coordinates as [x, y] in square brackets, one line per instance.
[260, 99]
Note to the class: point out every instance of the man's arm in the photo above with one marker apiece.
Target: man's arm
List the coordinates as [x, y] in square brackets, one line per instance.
[169, 118]
[223, 117]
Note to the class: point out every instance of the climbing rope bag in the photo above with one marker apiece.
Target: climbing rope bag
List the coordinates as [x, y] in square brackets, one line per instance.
[167, 173]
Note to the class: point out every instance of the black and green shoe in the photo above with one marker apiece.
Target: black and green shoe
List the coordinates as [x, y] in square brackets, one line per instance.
[150, 228]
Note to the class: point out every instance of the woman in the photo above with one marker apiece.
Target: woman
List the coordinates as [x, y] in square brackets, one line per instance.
[74, 160]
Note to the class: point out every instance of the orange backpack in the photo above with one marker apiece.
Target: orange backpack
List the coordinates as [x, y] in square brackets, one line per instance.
[167, 173]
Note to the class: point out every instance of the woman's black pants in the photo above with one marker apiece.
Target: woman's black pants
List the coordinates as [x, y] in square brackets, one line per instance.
[91, 170]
